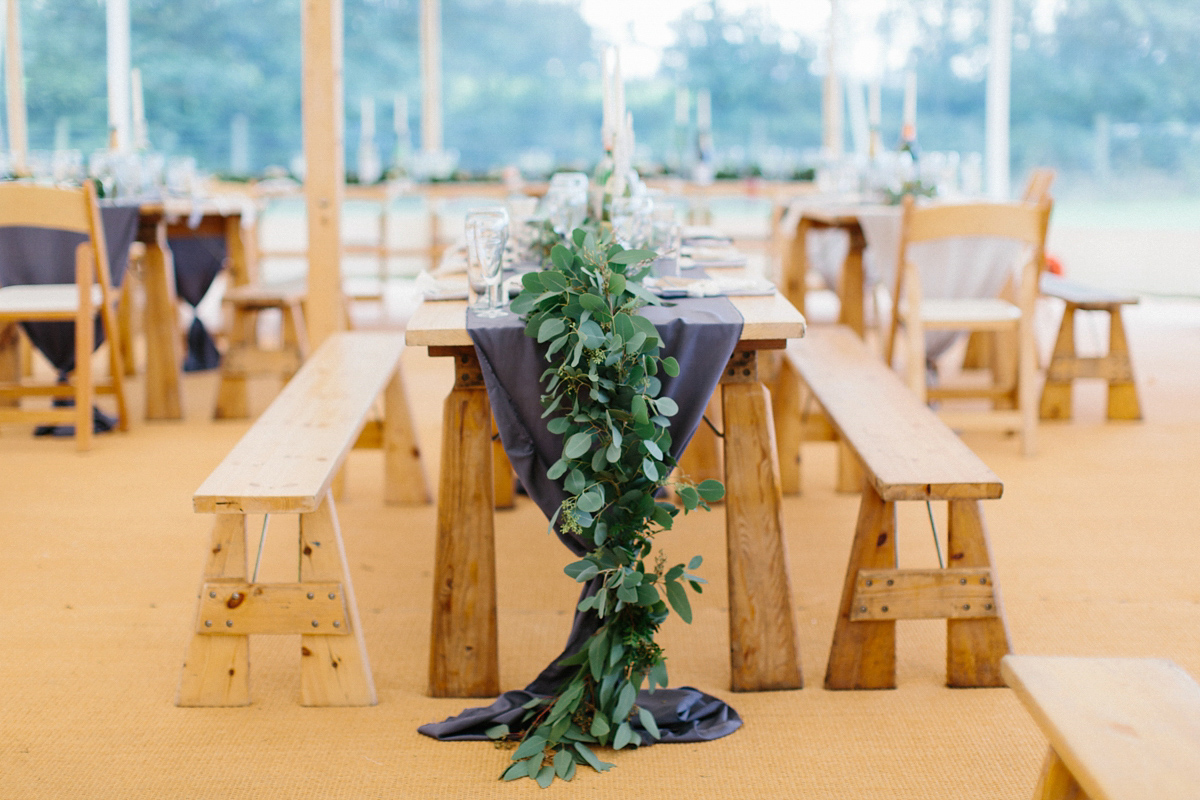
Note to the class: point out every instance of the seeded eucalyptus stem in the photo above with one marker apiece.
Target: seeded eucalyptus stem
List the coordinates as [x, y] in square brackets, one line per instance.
[602, 394]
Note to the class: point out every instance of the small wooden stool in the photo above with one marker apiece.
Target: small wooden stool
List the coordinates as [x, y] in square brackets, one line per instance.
[245, 357]
[1066, 366]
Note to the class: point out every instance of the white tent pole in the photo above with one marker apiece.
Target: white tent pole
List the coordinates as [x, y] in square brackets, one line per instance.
[431, 76]
[14, 88]
[120, 117]
[999, 90]
[323, 114]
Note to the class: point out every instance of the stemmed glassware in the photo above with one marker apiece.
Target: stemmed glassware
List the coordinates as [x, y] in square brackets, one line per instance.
[631, 220]
[487, 234]
[566, 201]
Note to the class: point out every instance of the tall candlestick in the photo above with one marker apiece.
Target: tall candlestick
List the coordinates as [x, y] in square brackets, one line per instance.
[704, 111]
[140, 139]
[367, 120]
[875, 104]
[400, 114]
[618, 91]
[606, 124]
[682, 106]
[910, 104]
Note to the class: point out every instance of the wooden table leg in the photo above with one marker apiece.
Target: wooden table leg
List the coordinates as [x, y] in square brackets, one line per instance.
[463, 652]
[10, 358]
[764, 652]
[851, 290]
[164, 357]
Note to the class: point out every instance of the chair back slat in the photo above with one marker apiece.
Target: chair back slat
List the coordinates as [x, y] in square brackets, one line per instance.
[27, 205]
[1018, 221]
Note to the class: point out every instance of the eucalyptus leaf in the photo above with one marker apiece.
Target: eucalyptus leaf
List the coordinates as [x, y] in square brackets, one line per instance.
[623, 736]
[590, 758]
[633, 256]
[578, 444]
[545, 776]
[563, 760]
[531, 746]
[678, 598]
[649, 469]
[696, 561]
[711, 490]
[625, 700]
[515, 772]
[496, 732]
[647, 720]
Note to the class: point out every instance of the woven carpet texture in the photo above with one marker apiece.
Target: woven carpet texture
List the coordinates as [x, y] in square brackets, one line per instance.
[1096, 550]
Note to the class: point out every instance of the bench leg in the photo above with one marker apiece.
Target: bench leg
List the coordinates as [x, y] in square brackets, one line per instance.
[849, 470]
[974, 647]
[295, 337]
[334, 670]
[463, 658]
[1122, 392]
[1056, 781]
[764, 652]
[863, 655]
[232, 399]
[216, 669]
[404, 481]
[702, 458]
[1056, 393]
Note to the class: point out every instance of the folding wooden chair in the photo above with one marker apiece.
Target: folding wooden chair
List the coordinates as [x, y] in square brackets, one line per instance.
[1012, 389]
[73, 212]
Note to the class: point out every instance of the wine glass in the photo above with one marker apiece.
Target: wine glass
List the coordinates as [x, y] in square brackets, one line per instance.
[487, 233]
[566, 201]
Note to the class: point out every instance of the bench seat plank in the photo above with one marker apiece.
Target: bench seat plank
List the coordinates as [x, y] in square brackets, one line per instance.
[1127, 728]
[910, 454]
[287, 460]
[1083, 295]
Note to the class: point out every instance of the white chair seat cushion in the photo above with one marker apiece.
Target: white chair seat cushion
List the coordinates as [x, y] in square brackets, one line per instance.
[49, 298]
[968, 313]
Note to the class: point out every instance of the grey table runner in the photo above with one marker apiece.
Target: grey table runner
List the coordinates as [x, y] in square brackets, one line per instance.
[31, 256]
[701, 334]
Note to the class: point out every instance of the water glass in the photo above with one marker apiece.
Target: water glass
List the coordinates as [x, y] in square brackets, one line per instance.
[487, 234]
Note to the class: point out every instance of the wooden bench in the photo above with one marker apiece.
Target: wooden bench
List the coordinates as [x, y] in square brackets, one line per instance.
[1065, 366]
[287, 463]
[1119, 728]
[906, 453]
[245, 356]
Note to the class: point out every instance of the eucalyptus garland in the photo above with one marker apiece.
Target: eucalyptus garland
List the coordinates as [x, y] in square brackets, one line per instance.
[602, 392]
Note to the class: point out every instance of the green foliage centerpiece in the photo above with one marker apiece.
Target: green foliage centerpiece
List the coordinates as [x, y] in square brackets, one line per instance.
[603, 394]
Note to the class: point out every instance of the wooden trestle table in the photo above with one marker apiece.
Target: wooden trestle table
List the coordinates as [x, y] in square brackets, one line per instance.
[764, 653]
[164, 356]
